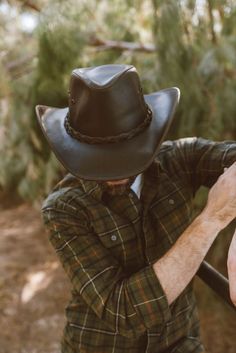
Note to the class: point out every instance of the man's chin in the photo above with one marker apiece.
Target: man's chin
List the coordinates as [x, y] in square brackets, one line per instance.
[118, 189]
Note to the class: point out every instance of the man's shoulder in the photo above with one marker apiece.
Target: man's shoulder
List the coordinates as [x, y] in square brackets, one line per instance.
[169, 147]
[176, 143]
[185, 145]
[165, 146]
[172, 153]
[65, 190]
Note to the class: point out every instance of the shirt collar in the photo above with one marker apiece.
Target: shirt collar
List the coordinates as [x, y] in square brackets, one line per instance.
[137, 185]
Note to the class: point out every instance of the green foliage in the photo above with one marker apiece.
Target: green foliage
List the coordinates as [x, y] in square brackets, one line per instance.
[195, 51]
[197, 56]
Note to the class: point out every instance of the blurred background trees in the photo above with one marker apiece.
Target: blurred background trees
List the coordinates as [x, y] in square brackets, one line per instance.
[190, 44]
[185, 43]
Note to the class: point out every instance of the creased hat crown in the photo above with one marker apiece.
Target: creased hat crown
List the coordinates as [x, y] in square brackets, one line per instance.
[106, 100]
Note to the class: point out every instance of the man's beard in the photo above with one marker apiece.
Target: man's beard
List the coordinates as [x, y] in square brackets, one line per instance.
[117, 189]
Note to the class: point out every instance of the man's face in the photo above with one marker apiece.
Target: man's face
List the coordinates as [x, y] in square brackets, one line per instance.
[117, 187]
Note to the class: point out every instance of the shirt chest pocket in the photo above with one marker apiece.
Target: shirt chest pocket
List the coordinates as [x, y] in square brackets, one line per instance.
[121, 242]
[172, 210]
[118, 238]
[111, 239]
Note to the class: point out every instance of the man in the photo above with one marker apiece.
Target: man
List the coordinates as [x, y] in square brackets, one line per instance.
[120, 222]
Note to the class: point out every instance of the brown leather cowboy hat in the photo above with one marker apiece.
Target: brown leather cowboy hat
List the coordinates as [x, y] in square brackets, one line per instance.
[110, 130]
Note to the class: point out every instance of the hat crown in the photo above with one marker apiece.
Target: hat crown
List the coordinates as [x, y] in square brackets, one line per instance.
[106, 100]
[101, 76]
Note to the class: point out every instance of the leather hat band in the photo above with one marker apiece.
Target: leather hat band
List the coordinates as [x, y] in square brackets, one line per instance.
[108, 139]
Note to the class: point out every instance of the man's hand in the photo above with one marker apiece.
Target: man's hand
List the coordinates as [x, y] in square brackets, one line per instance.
[221, 203]
[231, 264]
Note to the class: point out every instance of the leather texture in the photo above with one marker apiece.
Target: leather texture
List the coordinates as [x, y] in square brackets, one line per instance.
[108, 100]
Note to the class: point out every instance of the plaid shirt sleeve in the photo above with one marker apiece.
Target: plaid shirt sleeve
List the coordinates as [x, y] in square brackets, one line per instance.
[128, 305]
[201, 161]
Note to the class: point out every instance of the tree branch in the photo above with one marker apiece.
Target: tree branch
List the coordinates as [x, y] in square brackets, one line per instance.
[103, 44]
[30, 4]
[210, 12]
[23, 61]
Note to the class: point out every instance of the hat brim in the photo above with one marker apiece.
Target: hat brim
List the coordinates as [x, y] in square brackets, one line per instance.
[110, 161]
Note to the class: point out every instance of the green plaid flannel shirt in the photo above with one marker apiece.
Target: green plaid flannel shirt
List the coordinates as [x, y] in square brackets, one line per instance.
[107, 246]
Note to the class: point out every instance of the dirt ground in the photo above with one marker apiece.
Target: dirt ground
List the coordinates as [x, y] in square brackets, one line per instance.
[34, 292]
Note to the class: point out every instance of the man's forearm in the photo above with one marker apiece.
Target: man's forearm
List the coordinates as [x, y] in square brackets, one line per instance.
[231, 264]
[179, 265]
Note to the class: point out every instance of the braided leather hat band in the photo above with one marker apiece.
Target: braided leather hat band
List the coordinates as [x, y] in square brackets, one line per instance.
[108, 139]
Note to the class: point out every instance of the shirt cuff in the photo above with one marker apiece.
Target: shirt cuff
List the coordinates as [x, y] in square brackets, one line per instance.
[148, 298]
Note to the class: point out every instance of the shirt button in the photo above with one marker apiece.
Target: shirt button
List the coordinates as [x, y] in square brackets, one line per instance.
[171, 201]
[131, 195]
[113, 237]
